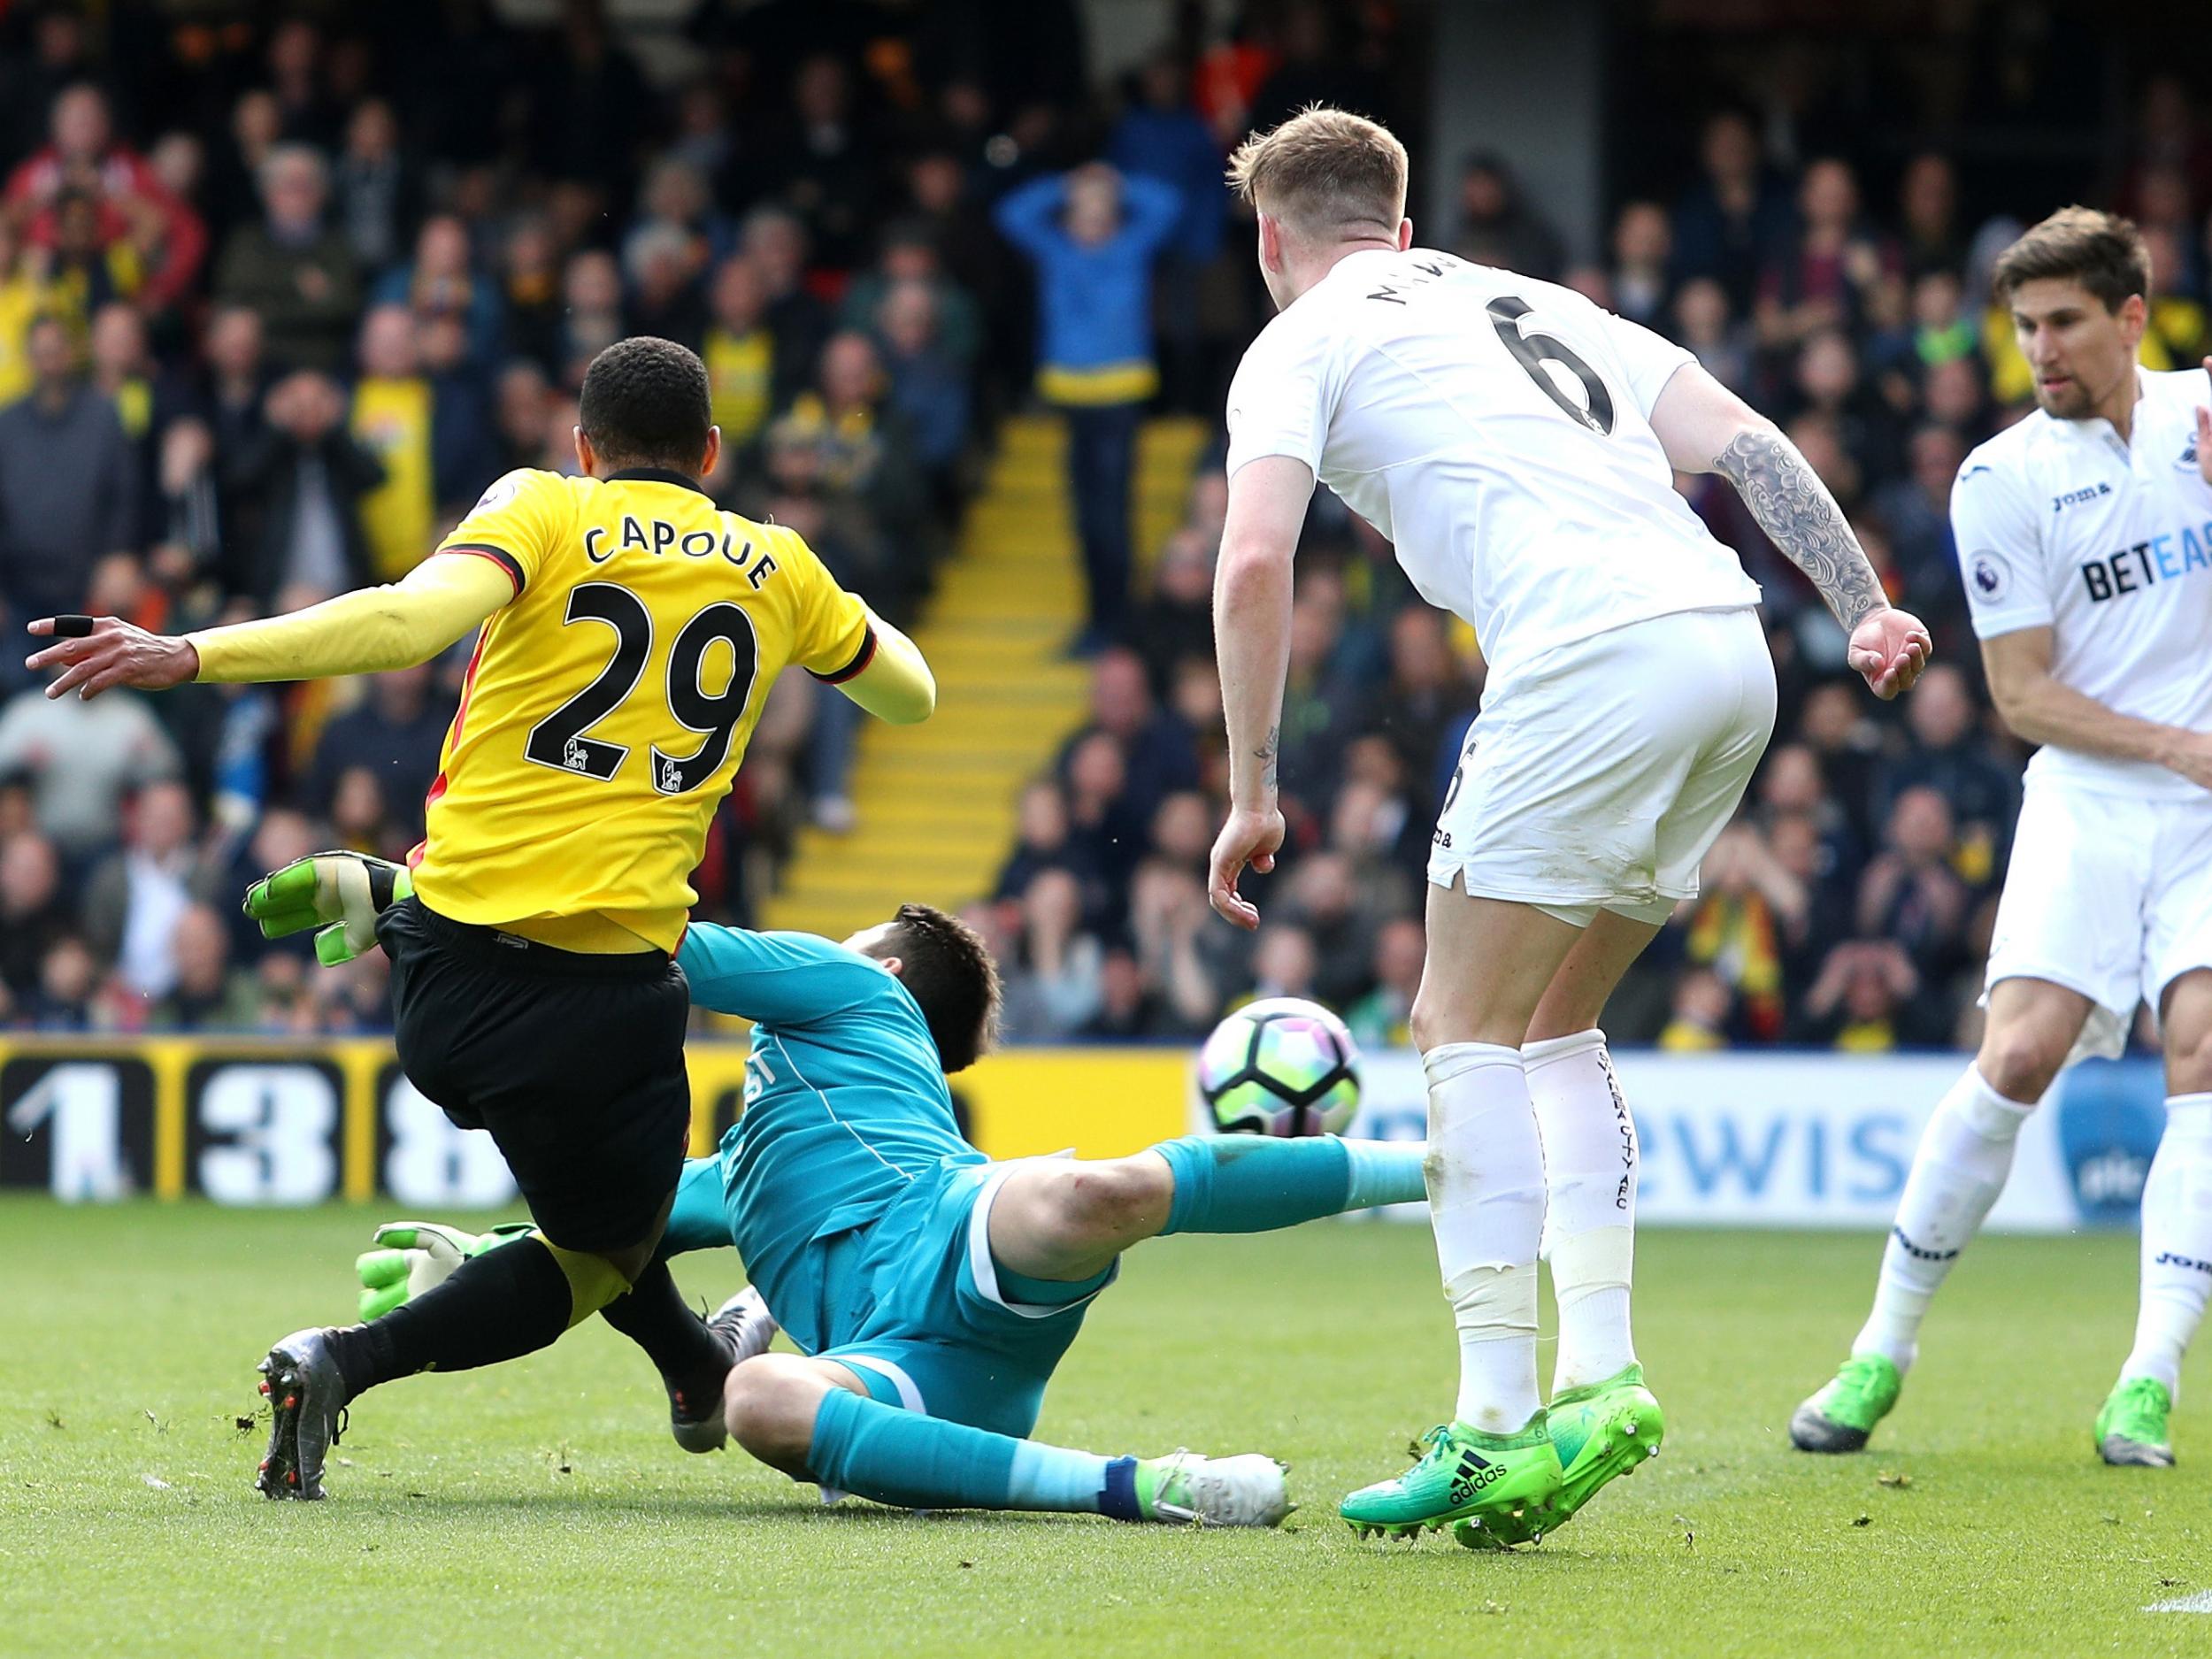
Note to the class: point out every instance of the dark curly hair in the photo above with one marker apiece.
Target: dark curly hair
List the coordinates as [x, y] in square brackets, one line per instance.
[645, 404]
[948, 969]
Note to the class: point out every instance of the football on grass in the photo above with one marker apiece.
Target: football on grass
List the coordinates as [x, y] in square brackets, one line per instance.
[1280, 1067]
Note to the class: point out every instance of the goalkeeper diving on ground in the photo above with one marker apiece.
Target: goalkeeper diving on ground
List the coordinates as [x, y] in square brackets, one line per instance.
[931, 1291]
[627, 630]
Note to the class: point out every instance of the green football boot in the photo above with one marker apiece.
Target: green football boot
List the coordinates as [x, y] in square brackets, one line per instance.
[1500, 1488]
[1599, 1430]
[1841, 1417]
[2131, 1428]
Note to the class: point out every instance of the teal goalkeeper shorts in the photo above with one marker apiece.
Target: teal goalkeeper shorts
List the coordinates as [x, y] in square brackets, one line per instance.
[913, 1304]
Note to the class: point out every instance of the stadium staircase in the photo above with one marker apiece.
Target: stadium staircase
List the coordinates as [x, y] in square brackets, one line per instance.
[936, 803]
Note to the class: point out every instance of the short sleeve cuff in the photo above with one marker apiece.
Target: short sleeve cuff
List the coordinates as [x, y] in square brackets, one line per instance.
[1242, 455]
[498, 556]
[1988, 625]
[861, 658]
[1650, 386]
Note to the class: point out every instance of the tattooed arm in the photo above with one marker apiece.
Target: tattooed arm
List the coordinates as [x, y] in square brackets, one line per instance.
[1267, 508]
[1706, 428]
[1269, 754]
[1799, 517]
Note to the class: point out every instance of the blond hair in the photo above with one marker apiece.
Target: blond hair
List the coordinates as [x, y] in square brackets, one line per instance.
[1324, 172]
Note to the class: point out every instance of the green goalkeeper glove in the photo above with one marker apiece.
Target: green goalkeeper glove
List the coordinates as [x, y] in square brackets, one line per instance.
[346, 891]
[417, 1254]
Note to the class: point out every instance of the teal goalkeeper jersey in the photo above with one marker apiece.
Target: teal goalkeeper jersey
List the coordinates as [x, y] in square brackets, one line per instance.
[845, 1097]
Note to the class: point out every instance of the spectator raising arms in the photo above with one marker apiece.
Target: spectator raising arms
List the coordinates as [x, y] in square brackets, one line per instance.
[1093, 236]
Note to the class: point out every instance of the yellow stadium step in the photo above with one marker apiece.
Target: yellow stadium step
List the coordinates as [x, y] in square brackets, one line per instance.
[948, 765]
[923, 819]
[936, 803]
[922, 873]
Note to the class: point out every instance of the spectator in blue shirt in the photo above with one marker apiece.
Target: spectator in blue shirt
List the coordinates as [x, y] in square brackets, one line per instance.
[442, 280]
[1093, 236]
[927, 386]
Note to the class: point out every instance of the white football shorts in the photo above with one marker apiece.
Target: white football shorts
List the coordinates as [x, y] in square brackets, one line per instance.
[2107, 895]
[1601, 775]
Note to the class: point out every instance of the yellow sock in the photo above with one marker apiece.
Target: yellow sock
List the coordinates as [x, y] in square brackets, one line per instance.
[592, 1281]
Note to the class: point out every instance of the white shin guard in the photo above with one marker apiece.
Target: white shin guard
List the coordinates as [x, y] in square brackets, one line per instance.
[1486, 1180]
[1590, 1164]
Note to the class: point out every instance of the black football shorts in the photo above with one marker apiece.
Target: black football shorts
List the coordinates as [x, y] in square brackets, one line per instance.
[573, 1063]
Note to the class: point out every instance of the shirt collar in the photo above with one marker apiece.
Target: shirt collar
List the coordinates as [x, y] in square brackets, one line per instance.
[2098, 431]
[656, 475]
[1359, 256]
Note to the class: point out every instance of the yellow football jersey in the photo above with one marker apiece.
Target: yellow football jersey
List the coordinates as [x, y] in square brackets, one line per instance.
[607, 707]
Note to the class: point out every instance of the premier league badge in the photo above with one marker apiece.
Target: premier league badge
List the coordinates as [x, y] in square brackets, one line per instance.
[1991, 577]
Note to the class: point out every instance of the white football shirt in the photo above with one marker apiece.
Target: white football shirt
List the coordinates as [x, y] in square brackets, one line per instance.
[1497, 430]
[2060, 524]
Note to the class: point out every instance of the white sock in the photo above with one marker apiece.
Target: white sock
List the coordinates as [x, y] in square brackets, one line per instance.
[1590, 1160]
[1485, 1180]
[1964, 1155]
[2176, 1242]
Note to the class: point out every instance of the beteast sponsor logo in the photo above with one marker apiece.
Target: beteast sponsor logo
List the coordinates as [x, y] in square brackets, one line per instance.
[2166, 556]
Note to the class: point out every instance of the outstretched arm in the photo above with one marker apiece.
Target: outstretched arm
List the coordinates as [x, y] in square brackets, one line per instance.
[778, 979]
[363, 632]
[1706, 428]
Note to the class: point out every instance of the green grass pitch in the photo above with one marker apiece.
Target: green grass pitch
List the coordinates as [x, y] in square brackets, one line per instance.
[540, 1509]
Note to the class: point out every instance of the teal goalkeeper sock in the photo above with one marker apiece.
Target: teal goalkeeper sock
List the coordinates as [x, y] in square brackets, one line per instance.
[1386, 1173]
[896, 1457]
[1256, 1184]
[700, 1217]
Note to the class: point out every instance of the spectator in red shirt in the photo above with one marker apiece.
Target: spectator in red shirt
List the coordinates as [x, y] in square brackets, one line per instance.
[84, 155]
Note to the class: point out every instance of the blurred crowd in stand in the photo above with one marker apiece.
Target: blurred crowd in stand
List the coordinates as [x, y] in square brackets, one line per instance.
[1850, 904]
[280, 299]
